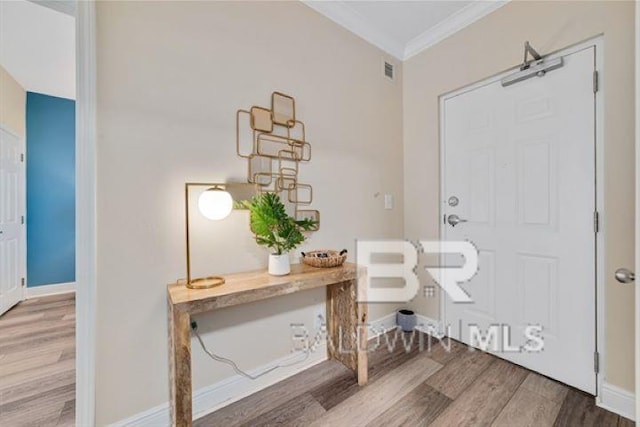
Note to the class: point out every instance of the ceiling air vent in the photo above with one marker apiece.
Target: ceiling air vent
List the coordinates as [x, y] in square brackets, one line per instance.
[388, 70]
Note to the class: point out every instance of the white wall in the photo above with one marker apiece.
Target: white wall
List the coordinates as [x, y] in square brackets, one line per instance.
[170, 77]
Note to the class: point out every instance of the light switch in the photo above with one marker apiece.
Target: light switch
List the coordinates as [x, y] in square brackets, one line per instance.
[388, 201]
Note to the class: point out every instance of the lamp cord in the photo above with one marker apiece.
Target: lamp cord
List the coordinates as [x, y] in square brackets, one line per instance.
[233, 364]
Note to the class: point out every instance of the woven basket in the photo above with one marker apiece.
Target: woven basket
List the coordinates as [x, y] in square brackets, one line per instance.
[324, 258]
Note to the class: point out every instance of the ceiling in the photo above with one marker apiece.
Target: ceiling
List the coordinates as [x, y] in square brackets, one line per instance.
[37, 47]
[64, 6]
[404, 28]
[37, 37]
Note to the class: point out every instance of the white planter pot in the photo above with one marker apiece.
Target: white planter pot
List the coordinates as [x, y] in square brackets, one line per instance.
[279, 265]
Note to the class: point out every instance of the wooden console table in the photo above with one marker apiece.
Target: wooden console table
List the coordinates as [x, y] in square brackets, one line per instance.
[345, 316]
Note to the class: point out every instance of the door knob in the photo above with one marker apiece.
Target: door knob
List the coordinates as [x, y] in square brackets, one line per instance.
[624, 275]
[454, 220]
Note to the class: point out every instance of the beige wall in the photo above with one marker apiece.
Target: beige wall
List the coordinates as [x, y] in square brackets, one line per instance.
[13, 101]
[492, 45]
[170, 78]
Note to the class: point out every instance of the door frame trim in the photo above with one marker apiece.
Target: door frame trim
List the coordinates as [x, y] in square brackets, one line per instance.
[86, 290]
[600, 255]
[637, 205]
[23, 236]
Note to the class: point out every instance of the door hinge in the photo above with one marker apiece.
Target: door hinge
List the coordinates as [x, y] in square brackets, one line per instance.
[596, 222]
[22, 282]
[22, 157]
[596, 362]
[595, 81]
[22, 220]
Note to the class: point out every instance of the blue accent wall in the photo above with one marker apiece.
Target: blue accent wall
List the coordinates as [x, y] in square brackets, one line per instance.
[51, 190]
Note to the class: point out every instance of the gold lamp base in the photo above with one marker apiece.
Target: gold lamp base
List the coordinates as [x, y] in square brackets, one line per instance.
[205, 282]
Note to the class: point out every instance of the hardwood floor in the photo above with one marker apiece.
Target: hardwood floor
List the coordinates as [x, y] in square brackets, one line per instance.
[434, 387]
[37, 363]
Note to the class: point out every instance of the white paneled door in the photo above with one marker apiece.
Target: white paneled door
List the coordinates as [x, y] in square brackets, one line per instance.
[12, 229]
[520, 160]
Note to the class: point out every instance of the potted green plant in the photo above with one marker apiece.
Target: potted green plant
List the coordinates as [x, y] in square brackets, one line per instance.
[276, 230]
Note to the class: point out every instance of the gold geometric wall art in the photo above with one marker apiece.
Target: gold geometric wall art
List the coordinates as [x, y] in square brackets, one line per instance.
[308, 214]
[283, 108]
[245, 147]
[261, 119]
[274, 142]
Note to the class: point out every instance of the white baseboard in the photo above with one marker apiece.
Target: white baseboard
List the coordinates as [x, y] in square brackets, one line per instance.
[381, 325]
[617, 400]
[211, 398]
[47, 290]
[429, 325]
[388, 322]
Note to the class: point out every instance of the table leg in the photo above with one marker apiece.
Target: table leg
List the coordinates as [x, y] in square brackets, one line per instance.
[347, 329]
[363, 354]
[180, 367]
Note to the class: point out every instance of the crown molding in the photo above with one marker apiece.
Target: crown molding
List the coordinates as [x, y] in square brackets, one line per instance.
[343, 15]
[456, 22]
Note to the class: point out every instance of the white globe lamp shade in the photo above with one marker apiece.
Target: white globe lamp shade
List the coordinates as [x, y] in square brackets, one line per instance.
[215, 204]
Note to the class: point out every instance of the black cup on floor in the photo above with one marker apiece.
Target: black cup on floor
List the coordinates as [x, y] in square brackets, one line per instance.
[406, 319]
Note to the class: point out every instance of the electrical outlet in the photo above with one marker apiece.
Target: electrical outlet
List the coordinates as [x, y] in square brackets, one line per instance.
[319, 317]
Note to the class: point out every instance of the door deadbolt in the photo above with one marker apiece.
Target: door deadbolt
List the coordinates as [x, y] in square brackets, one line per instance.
[453, 201]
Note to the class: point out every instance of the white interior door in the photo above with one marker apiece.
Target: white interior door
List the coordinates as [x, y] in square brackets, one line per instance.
[12, 233]
[521, 162]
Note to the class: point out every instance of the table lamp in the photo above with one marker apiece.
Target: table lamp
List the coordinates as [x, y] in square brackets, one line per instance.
[214, 203]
